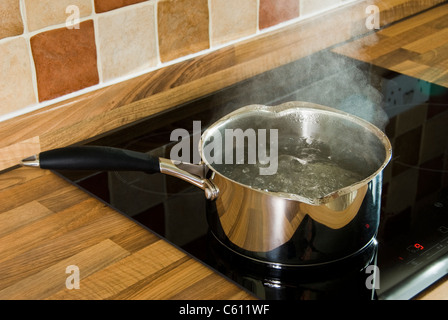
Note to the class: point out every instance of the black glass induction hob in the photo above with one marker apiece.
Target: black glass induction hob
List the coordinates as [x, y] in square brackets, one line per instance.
[411, 250]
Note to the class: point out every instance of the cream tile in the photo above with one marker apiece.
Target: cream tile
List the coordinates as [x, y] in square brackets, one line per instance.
[313, 6]
[16, 84]
[232, 19]
[127, 40]
[44, 13]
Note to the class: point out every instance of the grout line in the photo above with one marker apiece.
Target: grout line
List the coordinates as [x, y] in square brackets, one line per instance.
[156, 30]
[210, 25]
[27, 38]
[99, 64]
[23, 13]
[94, 16]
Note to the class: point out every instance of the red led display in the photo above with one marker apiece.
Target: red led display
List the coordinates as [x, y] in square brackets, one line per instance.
[418, 246]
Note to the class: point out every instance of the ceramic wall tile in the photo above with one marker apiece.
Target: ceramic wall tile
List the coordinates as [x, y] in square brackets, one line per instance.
[232, 19]
[273, 12]
[107, 5]
[65, 60]
[313, 6]
[183, 27]
[16, 85]
[127, 41]
[11, 23]
[44, 13]
[118, 38]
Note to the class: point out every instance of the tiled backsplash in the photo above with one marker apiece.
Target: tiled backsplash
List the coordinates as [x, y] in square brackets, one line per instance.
[43, 58]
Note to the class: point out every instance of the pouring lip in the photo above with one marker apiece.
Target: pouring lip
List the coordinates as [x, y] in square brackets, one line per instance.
[280, 109]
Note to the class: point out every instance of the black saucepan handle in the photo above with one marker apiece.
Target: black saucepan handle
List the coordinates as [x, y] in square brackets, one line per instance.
[98, 158]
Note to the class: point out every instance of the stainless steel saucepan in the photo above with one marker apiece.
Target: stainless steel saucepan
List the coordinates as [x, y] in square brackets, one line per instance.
[299, 216]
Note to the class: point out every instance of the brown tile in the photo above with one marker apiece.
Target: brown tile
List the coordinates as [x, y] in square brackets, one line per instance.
[183, 27]
[11, 23]
[273, 12]
[65, 60]
[107, 5]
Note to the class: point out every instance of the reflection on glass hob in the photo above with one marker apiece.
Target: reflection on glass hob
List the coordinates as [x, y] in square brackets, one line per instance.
[411, 249]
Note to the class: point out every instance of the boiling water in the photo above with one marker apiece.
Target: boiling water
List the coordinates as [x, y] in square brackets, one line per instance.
[305, 168]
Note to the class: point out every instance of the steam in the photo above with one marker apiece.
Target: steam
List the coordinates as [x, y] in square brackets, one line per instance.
[349, 89]
[324, 78]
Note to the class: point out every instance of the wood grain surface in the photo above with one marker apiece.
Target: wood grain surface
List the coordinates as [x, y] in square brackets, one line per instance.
[417, 48]
[47, 224]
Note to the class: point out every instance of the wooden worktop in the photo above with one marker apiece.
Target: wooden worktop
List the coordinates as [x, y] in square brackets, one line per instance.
[47, 224]
[417, 47]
